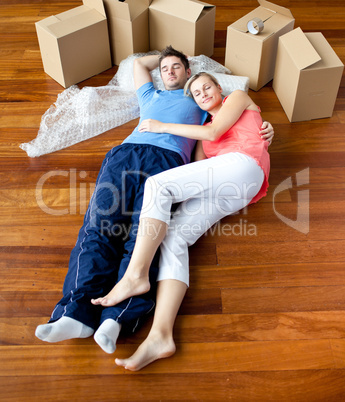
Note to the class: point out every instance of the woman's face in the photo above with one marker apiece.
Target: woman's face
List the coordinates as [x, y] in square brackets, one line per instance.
[206, 93]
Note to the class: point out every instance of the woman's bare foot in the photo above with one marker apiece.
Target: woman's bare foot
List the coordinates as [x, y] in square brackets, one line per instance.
[153, 348]
[125, 288]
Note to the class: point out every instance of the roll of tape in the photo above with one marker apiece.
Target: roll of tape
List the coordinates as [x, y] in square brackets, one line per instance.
[255, 26]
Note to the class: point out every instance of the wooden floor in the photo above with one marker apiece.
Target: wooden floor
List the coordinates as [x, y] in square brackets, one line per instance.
[264, 318]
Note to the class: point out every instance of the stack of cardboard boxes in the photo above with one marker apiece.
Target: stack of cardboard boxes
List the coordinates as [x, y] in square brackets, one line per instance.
[77, 40]
[87, 40]
[305, 70]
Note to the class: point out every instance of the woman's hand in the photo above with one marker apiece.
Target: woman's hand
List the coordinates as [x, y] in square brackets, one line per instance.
[267, 132]
[153, 126]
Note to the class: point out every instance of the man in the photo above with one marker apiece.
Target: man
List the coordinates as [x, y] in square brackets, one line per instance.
[102, 253]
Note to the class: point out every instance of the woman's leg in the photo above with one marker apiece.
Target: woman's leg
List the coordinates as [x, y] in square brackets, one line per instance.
[191, 220]
[211, 189]
[161, 191]
[159, 342]
[233, 180]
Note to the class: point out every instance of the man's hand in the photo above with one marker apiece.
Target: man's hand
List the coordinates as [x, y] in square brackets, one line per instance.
[267, 132]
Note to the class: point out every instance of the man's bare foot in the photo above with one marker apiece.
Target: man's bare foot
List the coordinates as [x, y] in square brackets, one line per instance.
[125, 288]
[153, 348]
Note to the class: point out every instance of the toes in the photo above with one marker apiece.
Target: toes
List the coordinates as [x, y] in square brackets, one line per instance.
[120, 362]
[100, 301]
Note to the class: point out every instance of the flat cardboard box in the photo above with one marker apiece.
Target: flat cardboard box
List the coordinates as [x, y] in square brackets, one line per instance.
[186, 25]
[307, 76]
[74, 45]
[128, 23]
[254, 56]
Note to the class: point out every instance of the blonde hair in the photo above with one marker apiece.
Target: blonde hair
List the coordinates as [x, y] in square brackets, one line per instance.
[189, 83]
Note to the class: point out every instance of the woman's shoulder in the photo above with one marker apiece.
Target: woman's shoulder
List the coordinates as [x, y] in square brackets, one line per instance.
[238, 98]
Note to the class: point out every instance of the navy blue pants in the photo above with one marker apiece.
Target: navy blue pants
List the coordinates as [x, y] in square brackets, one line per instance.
[106, 240]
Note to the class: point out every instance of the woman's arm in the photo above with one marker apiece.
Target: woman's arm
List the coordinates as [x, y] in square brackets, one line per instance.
[229, 113]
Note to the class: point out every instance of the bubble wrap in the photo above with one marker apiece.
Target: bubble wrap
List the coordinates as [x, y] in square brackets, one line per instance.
[80, 114]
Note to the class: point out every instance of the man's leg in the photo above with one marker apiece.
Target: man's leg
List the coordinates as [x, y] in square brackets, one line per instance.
[93, 262]
[132, 310]
[145, 161]
[108, 332]
[135, 281]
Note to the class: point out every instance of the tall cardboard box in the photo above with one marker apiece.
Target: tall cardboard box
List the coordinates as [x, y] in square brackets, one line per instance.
[74, 45]
[254, 56]
[307, 75]
[186, 25]
[128, 23]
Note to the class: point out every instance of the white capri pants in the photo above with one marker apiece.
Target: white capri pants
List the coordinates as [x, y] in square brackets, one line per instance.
[208, 190]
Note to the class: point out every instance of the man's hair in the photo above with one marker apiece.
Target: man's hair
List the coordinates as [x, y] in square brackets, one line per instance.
[194, 78]
[170, 51]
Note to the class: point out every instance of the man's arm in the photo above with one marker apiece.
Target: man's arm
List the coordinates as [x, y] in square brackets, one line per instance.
[267, 132]
[141, 69]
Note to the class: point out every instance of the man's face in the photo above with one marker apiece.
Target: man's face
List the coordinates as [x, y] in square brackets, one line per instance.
[173, 73]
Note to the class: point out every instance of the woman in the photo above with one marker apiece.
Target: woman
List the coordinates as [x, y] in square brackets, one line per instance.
[234, 175]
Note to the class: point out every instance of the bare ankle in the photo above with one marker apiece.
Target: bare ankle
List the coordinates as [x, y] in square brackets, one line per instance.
[139, 273]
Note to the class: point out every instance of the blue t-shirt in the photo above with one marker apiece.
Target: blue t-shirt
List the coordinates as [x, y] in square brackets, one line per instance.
[168, 107]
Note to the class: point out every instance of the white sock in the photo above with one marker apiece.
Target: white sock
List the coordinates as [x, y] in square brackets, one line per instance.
[62, 329]
[107, 334]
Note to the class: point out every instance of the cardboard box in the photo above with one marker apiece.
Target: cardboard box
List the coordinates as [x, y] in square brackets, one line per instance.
[186, 25]
[128, 23]
[75, 44]
[307, 75]
[254, 56]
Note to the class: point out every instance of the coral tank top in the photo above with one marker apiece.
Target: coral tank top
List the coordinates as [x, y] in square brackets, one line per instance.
[244, 137]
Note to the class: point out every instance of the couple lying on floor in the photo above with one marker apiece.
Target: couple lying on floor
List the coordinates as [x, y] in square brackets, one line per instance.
[130, 237]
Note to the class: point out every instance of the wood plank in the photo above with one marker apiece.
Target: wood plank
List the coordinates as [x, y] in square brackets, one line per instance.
[303, 298]
[196, 328]
[28, 304]
[299, 386]
[33, 257]
[196, 358]
[282, 252]
[266, 275]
